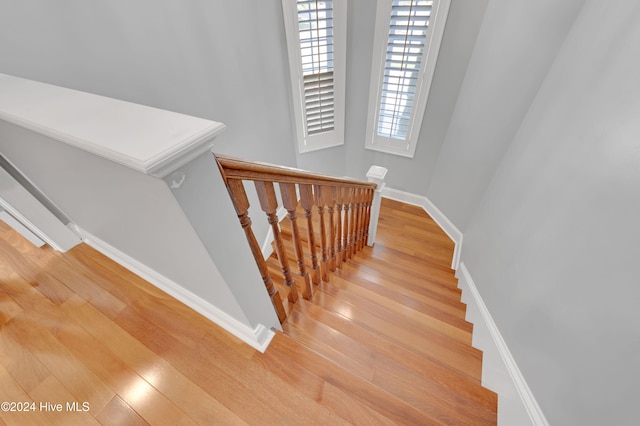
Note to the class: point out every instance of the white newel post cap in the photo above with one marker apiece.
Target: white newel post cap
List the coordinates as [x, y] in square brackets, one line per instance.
[376, 174]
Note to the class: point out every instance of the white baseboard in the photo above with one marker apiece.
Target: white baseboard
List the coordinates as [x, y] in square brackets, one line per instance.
[21, 229]
[259, 338]
[447, 226]
[500, 373]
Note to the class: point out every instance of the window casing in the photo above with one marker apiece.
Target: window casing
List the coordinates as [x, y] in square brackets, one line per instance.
[406, 44]
[316, 42]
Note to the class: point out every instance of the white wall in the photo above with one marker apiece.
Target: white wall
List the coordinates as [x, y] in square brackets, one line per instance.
[412, 175]
[133, 212]
[220, 60]
[534, 156]
[515, 47]
[225, 61]
[553, 243]
[204, 199]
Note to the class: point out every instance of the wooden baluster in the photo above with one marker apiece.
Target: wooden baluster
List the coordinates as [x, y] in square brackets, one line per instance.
[372, 193]
[320, 204]
[347, 222]
[306, 201]
[352, 222]
[367, 217]
[358, 223]
[363, 223]
[363, 220]
[269, 205]
[339, 207]
[290, 202]
[241, 204]
[330, 199]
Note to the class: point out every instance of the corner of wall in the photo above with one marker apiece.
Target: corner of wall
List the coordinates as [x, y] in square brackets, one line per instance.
[500, 373]
[447, 226]
[258, 337]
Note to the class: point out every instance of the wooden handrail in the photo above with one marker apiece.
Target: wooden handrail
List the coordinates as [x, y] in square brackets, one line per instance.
[236, 168]
[348, 203]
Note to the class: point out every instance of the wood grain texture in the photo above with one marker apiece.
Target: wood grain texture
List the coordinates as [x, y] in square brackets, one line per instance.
[290, 203]
[269, 204]
[237, 168]
[384, 342]
[241, 204]
[391, 315]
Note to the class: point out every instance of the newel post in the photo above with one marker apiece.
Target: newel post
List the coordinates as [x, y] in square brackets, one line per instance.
[375, 174]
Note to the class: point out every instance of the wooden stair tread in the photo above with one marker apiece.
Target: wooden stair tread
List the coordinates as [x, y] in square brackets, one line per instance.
[373, 397]
[415, 284]
[394, 312]
[358, 360]
[430, 397]
[349, 278]
[410, 360]
[358, 283]
[456, 355]
[339, 398]
[362, 268]
[422, 297]
[392, 316]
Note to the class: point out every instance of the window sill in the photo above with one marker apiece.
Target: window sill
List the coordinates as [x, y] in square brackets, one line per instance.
[389, 150]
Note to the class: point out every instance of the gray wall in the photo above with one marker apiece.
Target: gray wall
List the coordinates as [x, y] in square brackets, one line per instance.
[512, 55]
[220, 60]
[554, 239]
[205, 200]
[133, 212]
[226, 61]
[352, 159]
[463, 23]
[530, 147]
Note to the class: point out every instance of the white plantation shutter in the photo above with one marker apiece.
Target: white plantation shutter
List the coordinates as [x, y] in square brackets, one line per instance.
[315, 25]
[405, 47]
[407, 40]
[318, 102]
[316, 40]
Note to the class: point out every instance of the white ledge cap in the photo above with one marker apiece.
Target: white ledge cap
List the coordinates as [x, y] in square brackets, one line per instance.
[376, 174]
[150, 140]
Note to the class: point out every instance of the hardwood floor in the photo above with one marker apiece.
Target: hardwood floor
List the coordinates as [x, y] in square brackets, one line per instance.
[384, 342]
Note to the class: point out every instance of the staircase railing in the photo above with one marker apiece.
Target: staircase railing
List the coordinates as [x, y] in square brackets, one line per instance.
[344, 226]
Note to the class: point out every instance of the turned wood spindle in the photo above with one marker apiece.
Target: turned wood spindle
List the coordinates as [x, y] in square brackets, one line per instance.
[358, 217]
[306, 201]
[347, 240]
[269, 205]
[290, 202]
[367, 217]
[241, 204]
[330, 195]
[363, 218]
[339, 222]
[320, 204]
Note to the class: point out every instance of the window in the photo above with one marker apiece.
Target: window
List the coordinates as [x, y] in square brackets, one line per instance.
[316, 40]
[406, 44]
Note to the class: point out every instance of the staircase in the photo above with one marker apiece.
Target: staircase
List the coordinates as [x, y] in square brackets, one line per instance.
[385, 329]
